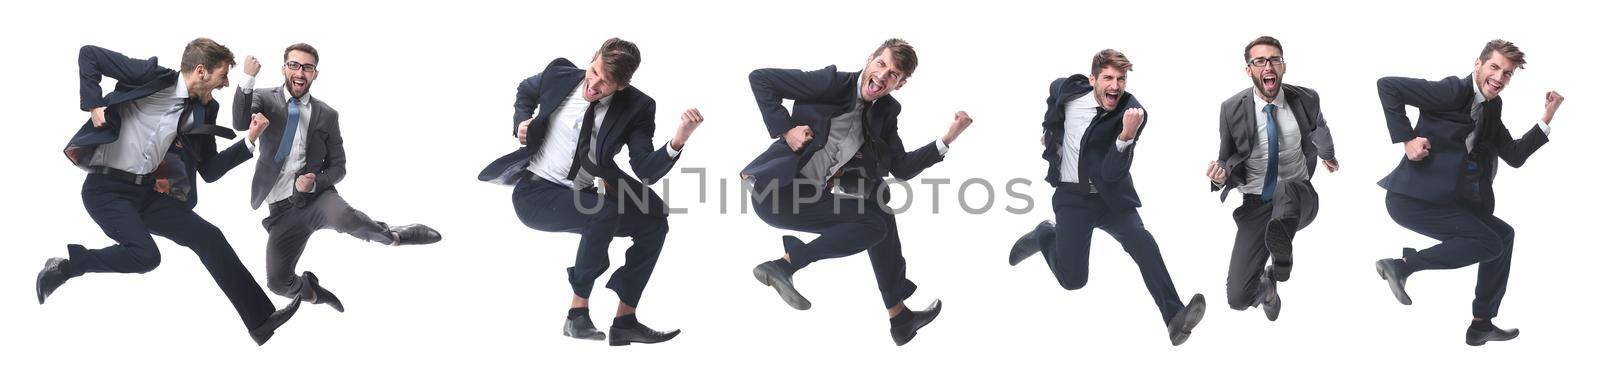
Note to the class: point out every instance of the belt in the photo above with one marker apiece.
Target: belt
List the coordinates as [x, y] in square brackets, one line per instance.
[1087, 188]
[135, 179]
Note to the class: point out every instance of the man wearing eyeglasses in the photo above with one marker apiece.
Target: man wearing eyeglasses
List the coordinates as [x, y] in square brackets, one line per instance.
[842, 136]
[572, 123]
[1444, 185]
[1271, 135]
[143, 146]
[302, 157]
[1091, 127]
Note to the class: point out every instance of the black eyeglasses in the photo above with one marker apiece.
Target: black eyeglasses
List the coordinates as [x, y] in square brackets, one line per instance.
[1261, 62]
[308, 68]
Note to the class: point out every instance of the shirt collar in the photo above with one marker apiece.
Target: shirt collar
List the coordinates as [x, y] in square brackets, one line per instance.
[304, 100]
[182, 91]
[1477, 94]
[1261, 104]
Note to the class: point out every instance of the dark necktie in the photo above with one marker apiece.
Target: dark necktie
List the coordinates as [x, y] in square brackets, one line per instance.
[1270, 185]
[290, 127]
[580, 157]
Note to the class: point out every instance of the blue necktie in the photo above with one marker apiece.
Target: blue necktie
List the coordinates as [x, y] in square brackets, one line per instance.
[288, 133]
[1271, 183]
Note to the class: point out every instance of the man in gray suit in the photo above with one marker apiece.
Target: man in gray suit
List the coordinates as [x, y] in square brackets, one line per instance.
[1272, 134]
[302, 158]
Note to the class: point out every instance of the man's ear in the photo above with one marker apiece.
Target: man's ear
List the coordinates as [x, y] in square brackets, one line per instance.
[901, 84]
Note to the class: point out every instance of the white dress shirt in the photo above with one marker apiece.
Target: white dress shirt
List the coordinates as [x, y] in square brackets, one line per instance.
[554, 159]
[283, 186]
[148, 126]
[1291, 160]
[1080, 112]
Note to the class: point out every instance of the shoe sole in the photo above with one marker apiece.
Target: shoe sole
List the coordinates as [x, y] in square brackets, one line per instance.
[1281, 247]
[1487, 340]
[598, 336]
[1195, 312]
[615, 342]
[1394, 287]
[785, 291]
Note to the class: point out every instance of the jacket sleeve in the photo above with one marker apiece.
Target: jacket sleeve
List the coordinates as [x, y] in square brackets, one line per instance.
[1225, 148]
[772, 86]
[1395, 93]
[1516, 151]
[527, 102]
[649, 162]
[1119, 163]
[333, 166]
[906, 165]
[1321, 136]
[95, 62]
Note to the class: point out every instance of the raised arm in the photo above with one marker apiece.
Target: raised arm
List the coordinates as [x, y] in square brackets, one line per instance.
[772, 86]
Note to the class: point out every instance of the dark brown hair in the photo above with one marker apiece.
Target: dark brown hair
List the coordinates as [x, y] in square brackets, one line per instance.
[620, 58]
[1505, 48]
[204, 51]
[303, 47]
[1110, 58]
[904, 55]
[1263, 40]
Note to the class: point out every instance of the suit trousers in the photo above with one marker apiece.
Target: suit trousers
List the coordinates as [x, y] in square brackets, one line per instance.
[1066, 248]
[845, 226]
[550, 207]
[1294, 206]
[1468, 235]
[289, 227]
[130, 213]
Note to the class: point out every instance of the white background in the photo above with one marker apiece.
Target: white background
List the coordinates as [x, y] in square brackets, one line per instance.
[425, 91]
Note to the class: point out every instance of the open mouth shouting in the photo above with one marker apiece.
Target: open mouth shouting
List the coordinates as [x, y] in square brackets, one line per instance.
[1269, 83]
[873, 88]
[1492, 86]
[1109, 99]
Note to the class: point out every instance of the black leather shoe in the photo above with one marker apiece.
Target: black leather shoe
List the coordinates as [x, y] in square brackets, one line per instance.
[264, 332]
[51, 277]
[1280, 244]
[1479, 337]
[1389, 270]
[1181, 325]
[773, 275]
[582, 328]
[1274, 303]
[1028, 244]
[320, 295]
[415, 234]
[640, 334]
[904, 333]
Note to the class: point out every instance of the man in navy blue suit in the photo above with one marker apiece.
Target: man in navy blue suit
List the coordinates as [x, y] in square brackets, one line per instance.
[1444, 186]
[843, 137]
[1091, 125]
[572, 123]
[143, 146]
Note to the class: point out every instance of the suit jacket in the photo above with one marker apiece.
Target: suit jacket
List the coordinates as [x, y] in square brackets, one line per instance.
[324, 146]
[1446, 120]
[819, 96]
[1239, 136]
[1099, 161]
[195, 143]
[629, 121]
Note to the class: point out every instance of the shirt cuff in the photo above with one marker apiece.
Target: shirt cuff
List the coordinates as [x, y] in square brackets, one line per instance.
[943, 148]
[670, 152]
[248, 84]
[250, 143]
[1545, 127]
[1122, 146]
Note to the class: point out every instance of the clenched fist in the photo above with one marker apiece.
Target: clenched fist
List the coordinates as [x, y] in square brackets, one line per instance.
[1131, 120]
[797, 137]
[306, 182]
[258, 123]
[1417, 148]
[691, 121]
[251, 66]
[958, 126]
